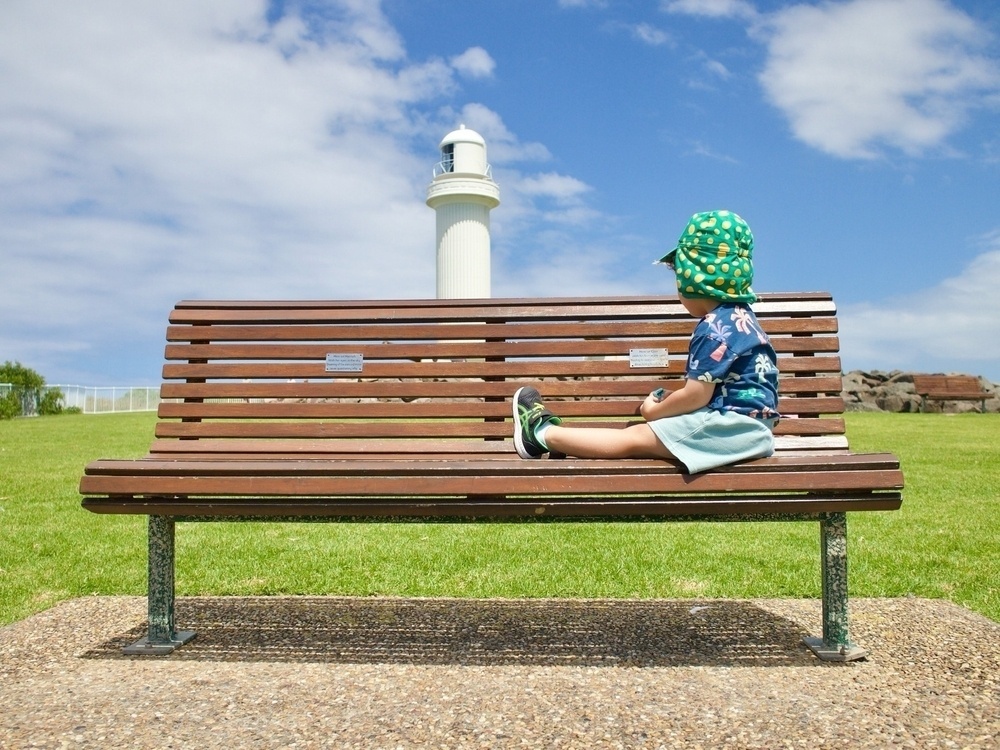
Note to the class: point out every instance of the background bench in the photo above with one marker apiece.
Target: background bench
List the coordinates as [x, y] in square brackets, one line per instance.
[949, 388]
[401, 410]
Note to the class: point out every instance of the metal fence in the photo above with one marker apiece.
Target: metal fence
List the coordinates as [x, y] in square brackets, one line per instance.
[93, 399]
[109, 399]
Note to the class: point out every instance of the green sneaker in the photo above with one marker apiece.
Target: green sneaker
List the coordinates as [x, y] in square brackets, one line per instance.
[530, 414]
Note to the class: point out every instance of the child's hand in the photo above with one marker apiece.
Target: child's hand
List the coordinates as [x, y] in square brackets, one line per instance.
[651, 401]
[693, 396]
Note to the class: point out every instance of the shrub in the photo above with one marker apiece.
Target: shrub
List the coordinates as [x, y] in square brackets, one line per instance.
[51, 402]
[28, 394]
[10, 405]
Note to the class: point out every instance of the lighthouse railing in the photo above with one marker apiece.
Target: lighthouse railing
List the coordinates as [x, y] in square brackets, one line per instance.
[448, 167]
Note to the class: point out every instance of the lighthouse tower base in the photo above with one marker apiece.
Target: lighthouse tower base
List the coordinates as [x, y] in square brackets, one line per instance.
[463, 258]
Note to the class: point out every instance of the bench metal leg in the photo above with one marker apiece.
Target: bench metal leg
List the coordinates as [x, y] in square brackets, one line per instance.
[162, 638]
[835, 645]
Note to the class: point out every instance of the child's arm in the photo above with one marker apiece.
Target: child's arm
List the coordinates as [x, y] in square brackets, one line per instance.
[694, 395]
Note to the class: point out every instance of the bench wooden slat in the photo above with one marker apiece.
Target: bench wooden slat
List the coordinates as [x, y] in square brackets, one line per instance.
[544, 488]
[507, 351]
[438, 409]
[367, 478]
[477, 467]
[508, 484]
[799, 301]
[401, 429]
[449, 369]
[325, 448]
[468, 350]
[789, 366]
[695, 507]
[634, 386]
[832, 440]
[405, 311]
[476, 352]
[679, 329]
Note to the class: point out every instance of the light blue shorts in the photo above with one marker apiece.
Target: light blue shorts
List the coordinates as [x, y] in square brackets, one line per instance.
[706, 438]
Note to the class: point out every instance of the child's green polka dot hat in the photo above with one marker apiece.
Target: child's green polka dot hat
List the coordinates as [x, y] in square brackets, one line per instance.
[714, 258]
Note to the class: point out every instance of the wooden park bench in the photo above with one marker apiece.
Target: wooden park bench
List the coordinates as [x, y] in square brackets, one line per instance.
[949, 388]
[402, 411]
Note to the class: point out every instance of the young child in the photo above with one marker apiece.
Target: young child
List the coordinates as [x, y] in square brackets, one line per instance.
[727, 408]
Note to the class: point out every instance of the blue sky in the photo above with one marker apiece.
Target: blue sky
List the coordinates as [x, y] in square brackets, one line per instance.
[151, 152]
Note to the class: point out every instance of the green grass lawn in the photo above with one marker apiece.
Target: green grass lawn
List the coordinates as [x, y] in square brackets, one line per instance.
[942, 544]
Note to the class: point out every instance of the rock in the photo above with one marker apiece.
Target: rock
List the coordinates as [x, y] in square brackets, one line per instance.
[893, 391]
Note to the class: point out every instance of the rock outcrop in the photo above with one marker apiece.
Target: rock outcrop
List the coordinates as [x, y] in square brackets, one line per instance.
[893, 391]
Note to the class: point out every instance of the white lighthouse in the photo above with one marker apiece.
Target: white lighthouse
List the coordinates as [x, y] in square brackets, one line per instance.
[462, 194]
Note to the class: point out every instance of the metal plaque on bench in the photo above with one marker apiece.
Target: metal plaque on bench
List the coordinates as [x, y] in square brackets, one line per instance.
[344, 362]
[648, 358]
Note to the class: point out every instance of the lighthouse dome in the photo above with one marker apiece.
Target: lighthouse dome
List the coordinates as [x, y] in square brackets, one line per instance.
[462, 135]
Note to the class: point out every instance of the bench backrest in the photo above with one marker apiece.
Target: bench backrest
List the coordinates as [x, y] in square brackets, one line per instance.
[966, 385]
[430, 376]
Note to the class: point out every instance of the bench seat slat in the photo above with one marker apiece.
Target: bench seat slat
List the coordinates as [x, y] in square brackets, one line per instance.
[444, 478]
[419, 490]
[511, 466]
[647, 509]
[956, 396]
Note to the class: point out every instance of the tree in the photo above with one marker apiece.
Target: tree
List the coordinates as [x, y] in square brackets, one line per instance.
[28, 395]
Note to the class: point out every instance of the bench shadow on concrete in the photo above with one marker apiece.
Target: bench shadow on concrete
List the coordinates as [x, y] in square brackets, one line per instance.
[481, 632]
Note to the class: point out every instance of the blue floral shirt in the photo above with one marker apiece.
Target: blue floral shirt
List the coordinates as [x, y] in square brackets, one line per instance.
[729, 348]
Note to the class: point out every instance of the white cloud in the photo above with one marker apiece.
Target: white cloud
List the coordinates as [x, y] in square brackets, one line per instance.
[646, 33]
[554, 198]
[649, 34]
[154, 152]
[150, 152]
[475, 62]
[701, 149]
[943, 327]
[565, 266]
[718, 69]
[712, 8]
[854, 78]
[503, 145]
[559, 187]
